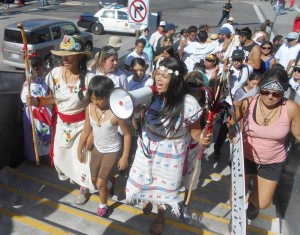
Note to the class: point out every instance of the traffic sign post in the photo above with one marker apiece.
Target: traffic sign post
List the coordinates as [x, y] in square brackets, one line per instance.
[138, 11]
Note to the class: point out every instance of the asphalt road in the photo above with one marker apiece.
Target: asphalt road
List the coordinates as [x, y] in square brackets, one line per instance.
[181, 13]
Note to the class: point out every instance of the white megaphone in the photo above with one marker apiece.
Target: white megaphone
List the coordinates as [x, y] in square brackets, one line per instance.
[122, 102]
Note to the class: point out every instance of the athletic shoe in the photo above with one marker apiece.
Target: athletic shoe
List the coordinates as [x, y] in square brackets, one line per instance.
[185, 215]
[83, 196]
[103, 212]
[252, 212]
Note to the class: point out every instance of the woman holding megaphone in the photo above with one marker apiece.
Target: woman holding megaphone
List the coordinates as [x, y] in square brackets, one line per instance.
[156, 172]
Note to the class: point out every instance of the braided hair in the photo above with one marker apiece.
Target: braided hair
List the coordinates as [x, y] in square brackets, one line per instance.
[82, 73]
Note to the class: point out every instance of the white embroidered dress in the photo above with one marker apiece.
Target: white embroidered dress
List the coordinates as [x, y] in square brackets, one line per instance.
[156, 172]
[67, 135]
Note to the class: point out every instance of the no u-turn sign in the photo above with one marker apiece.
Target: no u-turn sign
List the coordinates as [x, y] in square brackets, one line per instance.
[138, 11]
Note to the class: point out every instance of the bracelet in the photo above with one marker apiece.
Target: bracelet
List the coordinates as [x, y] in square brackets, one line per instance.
[41, 101]
[37, 101]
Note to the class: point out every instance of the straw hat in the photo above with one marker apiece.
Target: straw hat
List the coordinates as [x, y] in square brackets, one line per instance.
[114, 41]
[71, 46]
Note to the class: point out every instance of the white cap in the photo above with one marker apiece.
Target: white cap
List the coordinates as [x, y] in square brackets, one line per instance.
[143, 26]
[230, 19]
[162, 23]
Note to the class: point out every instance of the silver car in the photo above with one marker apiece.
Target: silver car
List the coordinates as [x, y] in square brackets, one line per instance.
[42, 36]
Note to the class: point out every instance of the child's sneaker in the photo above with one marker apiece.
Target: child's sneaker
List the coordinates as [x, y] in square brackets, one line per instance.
[83, 196]
[103, 212]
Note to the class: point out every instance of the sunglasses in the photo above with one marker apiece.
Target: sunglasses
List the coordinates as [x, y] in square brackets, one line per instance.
[237, 60]
[266, 48]
[210, 60]
[296, 70]
[274, 94]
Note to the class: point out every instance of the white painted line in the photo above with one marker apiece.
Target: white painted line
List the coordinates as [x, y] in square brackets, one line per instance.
[261, 18]
[259, 14]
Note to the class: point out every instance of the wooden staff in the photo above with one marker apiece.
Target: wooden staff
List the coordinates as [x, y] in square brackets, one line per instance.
[206, 130]
[224, 75]
[26, 62]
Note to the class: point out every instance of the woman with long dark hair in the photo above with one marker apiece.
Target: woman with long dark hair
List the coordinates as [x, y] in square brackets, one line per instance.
[156, 172]
[267, 58]
[267, 119]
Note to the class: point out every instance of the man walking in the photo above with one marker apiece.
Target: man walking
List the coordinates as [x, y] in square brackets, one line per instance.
[226, 11]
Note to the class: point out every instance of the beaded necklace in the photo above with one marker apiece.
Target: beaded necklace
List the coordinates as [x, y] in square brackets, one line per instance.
[267, 119]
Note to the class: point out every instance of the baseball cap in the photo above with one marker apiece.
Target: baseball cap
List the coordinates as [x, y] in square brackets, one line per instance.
[143, 27]
[170, 26]
[292, 36]
[162, 23]
[230, 19]
[211, 57]
[224, 30]
[238, 54]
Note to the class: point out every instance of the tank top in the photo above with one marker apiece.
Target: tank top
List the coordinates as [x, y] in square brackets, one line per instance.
[106, 137]
[248, 49]
[265, 65]
[265, 144]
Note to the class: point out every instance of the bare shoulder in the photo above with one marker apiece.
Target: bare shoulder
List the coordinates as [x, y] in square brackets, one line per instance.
[293, 109]
[115, 120]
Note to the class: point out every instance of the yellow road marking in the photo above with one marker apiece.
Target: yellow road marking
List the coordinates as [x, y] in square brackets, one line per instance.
[33, 222]
[114, 204]
[70, 210]
[135, 211]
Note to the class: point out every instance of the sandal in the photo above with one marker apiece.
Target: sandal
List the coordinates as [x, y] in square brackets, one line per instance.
[156, 228]
[147, 209]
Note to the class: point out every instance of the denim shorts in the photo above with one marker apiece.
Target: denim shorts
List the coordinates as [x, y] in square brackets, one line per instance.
[266, 171]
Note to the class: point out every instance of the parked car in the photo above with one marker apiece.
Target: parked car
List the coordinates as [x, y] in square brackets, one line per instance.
[10, 1]
[107, 20]
[112, 3]
[42, 36]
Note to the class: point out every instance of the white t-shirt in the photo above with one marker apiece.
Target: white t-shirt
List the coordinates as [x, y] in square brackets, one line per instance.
[119, 78]
[185, 56]
[154, 39]
[133, 55]
[133, 85]
[230, 27]
[197, 52]
[238, 79]
[286, 53]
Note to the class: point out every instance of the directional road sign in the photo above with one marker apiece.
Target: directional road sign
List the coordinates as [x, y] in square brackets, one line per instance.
[138, 11]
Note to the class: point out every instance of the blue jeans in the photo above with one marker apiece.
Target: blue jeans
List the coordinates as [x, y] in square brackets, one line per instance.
[279, 8]
[43, 3]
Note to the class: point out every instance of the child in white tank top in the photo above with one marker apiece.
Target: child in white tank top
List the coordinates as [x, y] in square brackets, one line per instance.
[107, 145]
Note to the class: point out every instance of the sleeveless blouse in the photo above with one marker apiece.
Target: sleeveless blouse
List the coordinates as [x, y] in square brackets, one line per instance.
[106, 138]
[265, 144]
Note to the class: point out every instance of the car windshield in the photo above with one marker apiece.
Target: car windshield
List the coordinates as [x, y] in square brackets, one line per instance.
[11, 35]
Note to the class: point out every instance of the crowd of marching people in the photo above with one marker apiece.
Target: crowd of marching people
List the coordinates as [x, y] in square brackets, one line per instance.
[239, 69]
